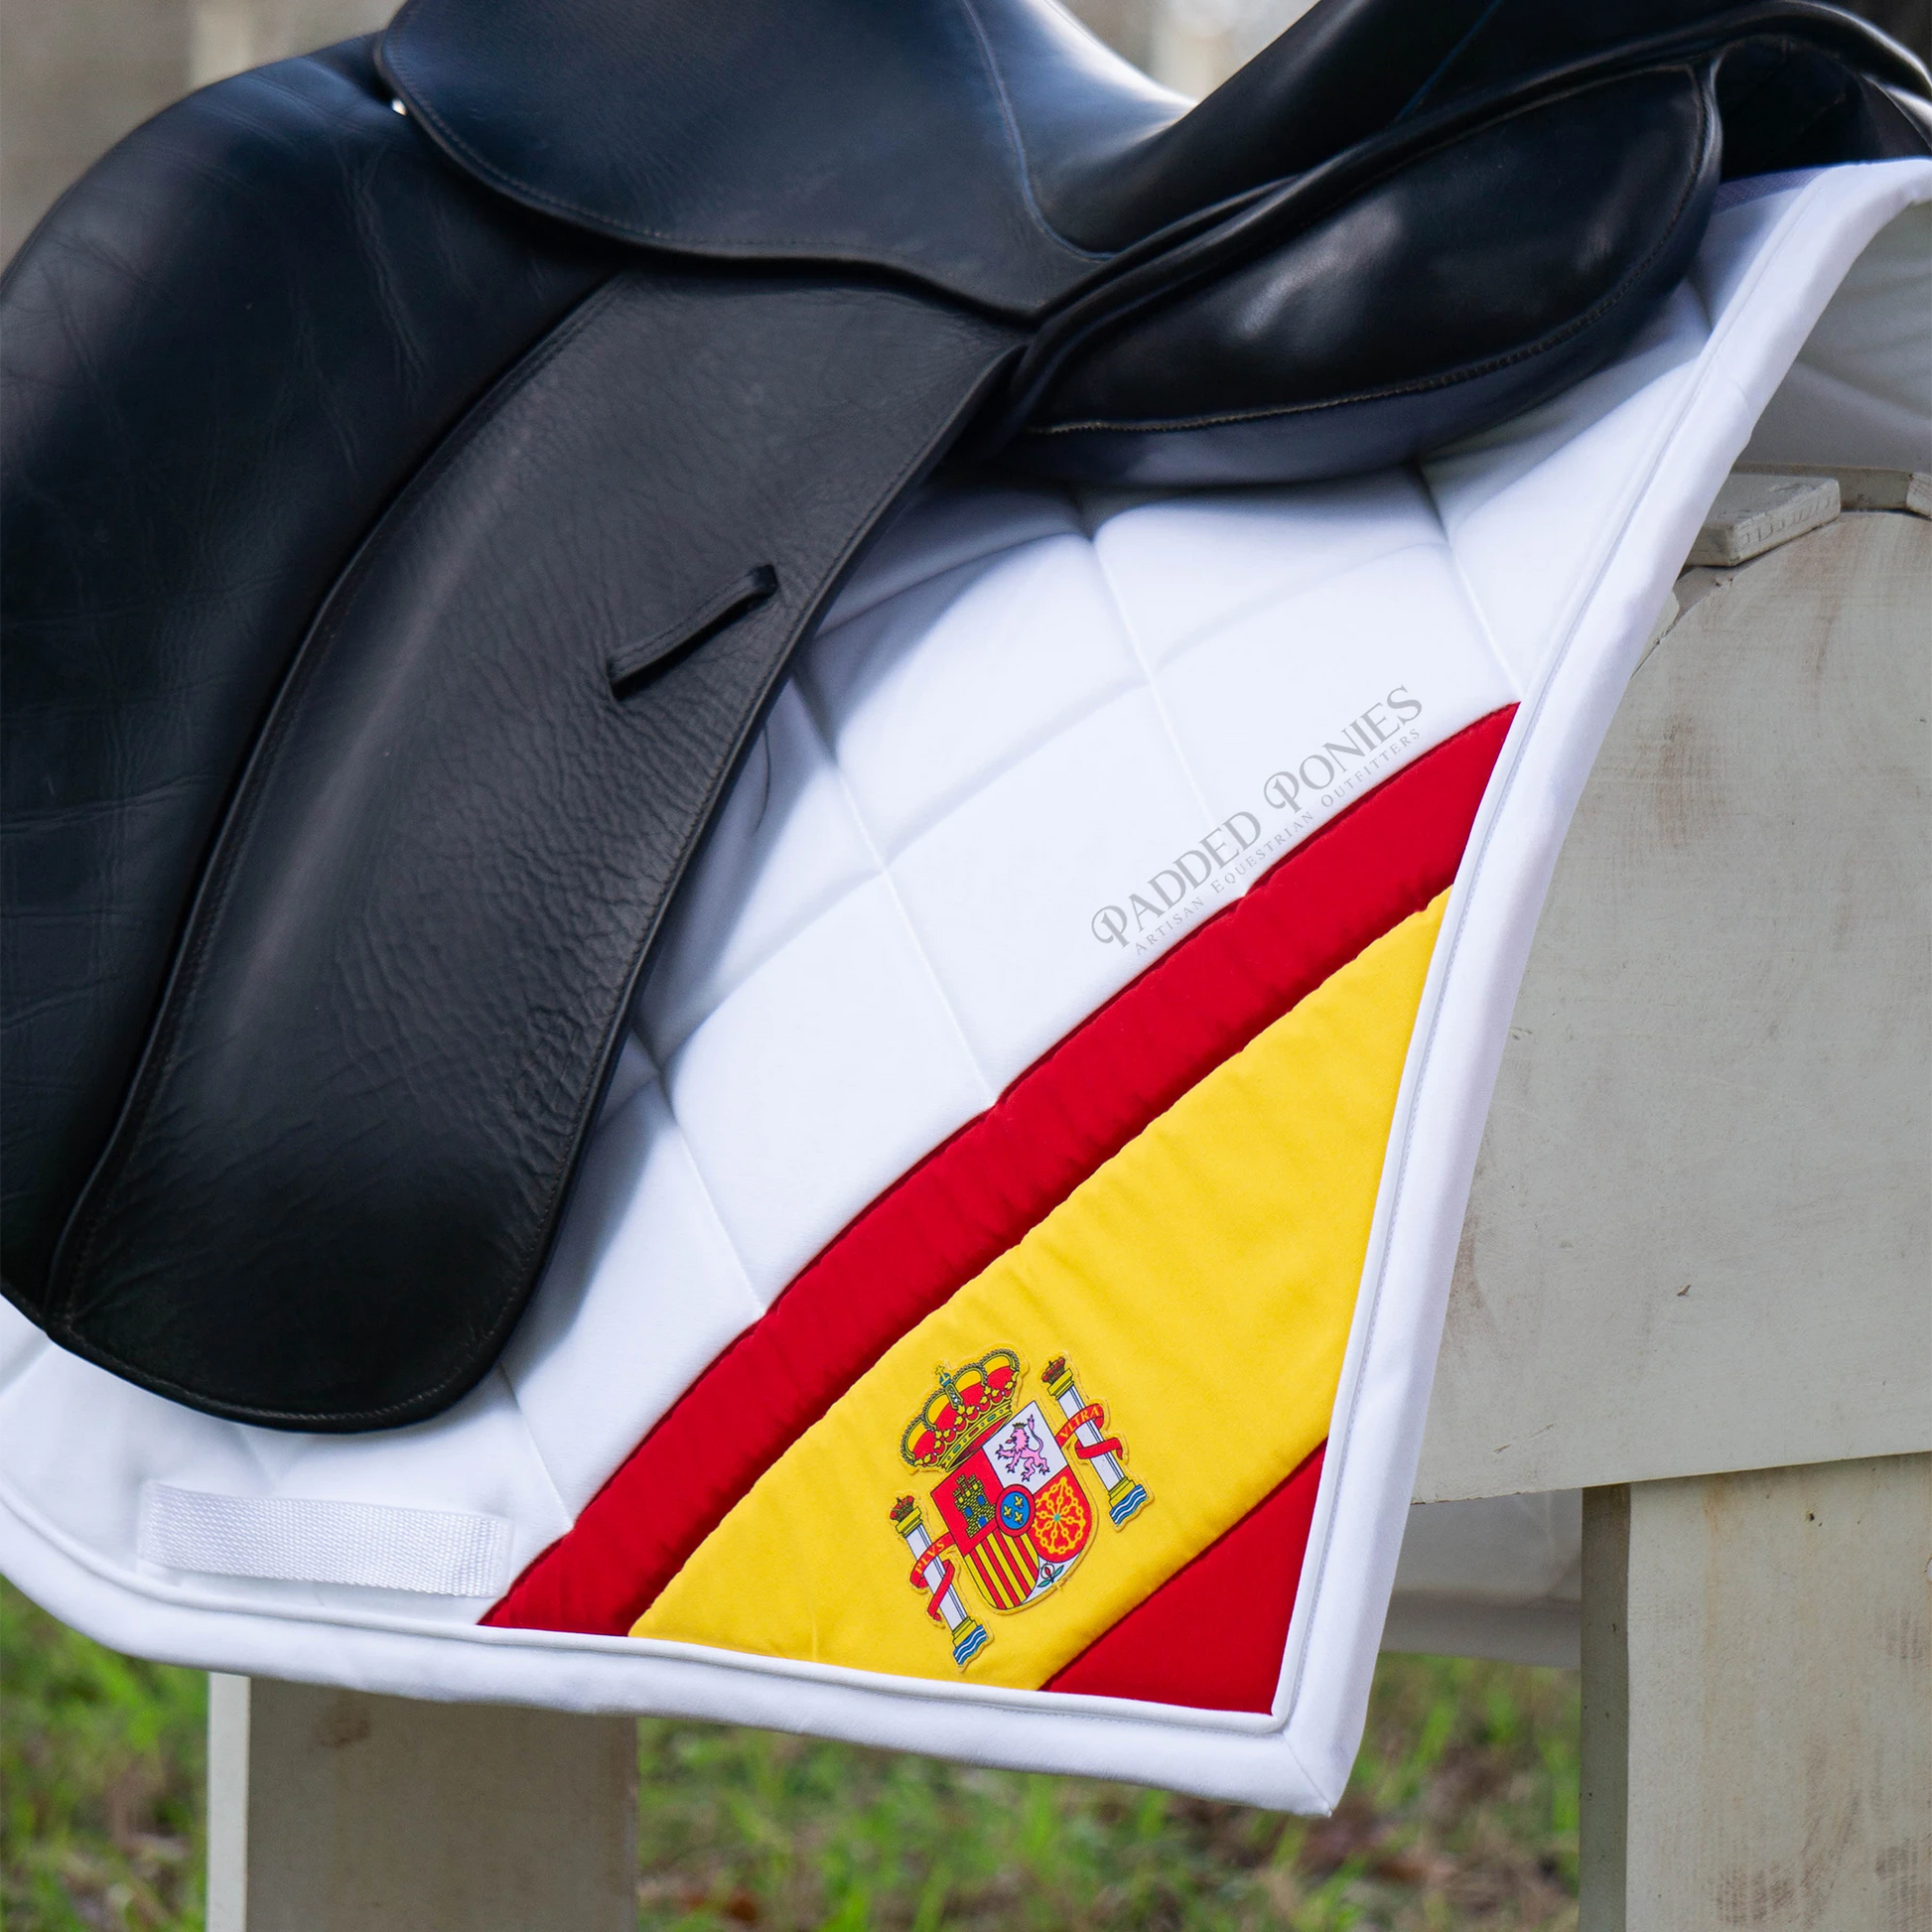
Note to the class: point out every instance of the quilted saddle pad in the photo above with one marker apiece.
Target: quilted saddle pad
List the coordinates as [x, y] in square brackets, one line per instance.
[998, 1310]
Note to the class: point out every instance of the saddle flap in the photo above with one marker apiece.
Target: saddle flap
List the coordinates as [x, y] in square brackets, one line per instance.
[181, 484]
[406, 974]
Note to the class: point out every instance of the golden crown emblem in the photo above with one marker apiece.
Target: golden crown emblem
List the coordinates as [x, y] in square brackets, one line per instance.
[968, 1401]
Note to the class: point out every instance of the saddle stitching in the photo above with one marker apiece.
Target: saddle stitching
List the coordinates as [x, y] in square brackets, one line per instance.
[1150, 675]
[882, 872]
[1449, 60]
[1024, 166]
[811, 249]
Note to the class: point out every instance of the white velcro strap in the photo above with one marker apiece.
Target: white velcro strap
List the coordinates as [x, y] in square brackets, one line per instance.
[438, 1552]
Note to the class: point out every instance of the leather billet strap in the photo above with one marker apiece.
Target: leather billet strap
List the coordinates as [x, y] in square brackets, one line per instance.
[404, 976]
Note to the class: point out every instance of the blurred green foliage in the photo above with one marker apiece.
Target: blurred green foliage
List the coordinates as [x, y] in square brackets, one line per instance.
[101, 1763]
[1461, 1812]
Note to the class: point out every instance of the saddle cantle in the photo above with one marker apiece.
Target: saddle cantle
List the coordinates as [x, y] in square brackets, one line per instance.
[409, 515]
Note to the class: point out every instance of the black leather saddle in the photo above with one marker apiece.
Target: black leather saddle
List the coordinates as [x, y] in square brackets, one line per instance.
[422, 457]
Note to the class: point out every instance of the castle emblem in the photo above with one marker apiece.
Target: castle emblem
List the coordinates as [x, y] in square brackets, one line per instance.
[1013, 1501]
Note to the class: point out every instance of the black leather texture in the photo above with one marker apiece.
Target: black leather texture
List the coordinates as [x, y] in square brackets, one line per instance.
[1789, 82]
[861, 131]
[990, 148]
[1033, 174]
[420, 930]
[409, 514]
[225, 350]
[1462, 288]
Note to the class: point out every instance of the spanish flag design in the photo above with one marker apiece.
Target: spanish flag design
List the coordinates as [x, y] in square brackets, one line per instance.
[1012, 1504]
[1049, 1413]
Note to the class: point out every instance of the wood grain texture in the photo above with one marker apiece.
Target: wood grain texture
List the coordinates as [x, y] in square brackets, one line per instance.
[1757, 1654]
[335, 1811]
[1698, 1238]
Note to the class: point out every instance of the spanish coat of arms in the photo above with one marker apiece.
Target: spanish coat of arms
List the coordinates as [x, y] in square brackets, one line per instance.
[1012, 1502]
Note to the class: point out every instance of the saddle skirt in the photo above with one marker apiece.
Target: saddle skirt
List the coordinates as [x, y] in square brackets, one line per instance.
[997, 1309]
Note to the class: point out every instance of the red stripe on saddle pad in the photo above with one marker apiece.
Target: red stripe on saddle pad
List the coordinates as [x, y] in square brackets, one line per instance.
[976, 1195]
[1212, 1635]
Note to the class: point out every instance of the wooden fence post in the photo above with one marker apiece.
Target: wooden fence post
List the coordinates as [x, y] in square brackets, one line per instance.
[336, 1811]
[1757, 1735]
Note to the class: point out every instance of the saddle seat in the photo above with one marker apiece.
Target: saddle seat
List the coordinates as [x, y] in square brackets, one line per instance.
[992, 148]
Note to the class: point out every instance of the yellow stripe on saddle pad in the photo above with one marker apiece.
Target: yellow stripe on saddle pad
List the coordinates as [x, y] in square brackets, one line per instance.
[1109, 1397]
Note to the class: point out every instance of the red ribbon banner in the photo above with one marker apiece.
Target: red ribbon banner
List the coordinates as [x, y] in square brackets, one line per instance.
[1096, 1414]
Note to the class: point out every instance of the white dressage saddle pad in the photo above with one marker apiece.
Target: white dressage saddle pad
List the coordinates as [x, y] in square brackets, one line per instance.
[997, 1312]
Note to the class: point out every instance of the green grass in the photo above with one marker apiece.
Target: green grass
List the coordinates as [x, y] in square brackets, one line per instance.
[1461, 1812]
[101, 1775]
